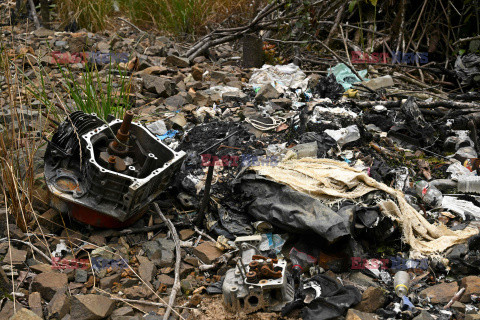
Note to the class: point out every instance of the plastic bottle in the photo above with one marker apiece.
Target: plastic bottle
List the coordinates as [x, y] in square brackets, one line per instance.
[401, 283]
[469, 184]
[301, 261]
[429, 194]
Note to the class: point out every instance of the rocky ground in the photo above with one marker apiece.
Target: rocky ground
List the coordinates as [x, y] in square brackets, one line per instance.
[62, 269]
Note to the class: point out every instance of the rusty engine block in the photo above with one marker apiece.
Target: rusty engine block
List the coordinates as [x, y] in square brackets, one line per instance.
[104, 174]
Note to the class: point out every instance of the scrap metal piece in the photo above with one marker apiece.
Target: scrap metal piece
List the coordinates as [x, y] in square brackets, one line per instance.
[266, 286]
[103, 179]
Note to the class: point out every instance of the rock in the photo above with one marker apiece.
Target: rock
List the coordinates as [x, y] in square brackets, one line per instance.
[179, 120]
[59, 306]
[35, 303]
[91, 307]
[267, 92]
[157, 50]
[51, 219]
[5, 283]
[7, 310]
[440, 293]
[161, 86]
[81, 275]
[218, 76]
[372, 299]
[147, 269]
[98, 240]
[237, 96]
[362, 280]
[108, 282]
[353, 314]
[457, 305]
[177, 61]
[207, 252]
[42, 32]
[282, 102]
[472, 286]
[197, 73]
[25, 314]
[123, 312]
[166, 280]
[424, 315]
[167, 252]
[175, 101]
[138, 292]
[15, 256]
[185, 234]
[380, 82]
[152, 249]
[199, 59]
[41, 267]
[48, 283]
[472, 317]
[155, 70]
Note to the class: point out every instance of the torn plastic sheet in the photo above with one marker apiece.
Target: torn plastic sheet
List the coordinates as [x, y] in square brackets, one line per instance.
[467, 68]
[344, 135]
[457, 170]
[319, 110]
[330, 299]
[331, 181]
[281, 77]
[461, 207]
[345, 76]
[292, 210]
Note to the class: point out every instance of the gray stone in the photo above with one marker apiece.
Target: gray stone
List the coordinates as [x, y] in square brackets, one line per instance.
[123, 311]
[59, 306]
[91, 307]
[35, 303]
[161, 86]
[25, 314]
[42, 32]
[267, 92]
[48, 283]
[218, 76]
[175, 101]
[81, 275]
[157, 50]
[108, 282]
[424, 315]
[177, 61]
[147, 269]
[237, 96]
[362, 280]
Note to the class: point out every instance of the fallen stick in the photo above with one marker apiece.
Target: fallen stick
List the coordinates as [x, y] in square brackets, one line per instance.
[176, 284]
[455, 298]
[421, 104]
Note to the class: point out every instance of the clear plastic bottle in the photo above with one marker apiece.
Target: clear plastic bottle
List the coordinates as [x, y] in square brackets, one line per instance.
[429, 194]
[401, 283]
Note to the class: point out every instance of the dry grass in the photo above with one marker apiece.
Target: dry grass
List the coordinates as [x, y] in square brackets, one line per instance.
[179, 17]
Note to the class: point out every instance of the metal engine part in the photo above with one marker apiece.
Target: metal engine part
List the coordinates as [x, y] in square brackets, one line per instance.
[257, 282]
[104, 174]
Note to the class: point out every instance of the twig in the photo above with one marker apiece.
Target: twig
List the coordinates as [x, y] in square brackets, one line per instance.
[31, 246]
[455, 298]
[466, 40]
[200, 232]
[131, 24]
[338, 18]
[176, 285]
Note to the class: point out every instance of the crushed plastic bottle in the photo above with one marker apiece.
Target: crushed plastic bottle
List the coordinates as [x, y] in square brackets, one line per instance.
[429, 194]
[401, 283]
[469, 184]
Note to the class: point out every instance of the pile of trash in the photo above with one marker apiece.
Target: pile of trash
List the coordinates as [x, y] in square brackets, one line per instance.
[277, 193]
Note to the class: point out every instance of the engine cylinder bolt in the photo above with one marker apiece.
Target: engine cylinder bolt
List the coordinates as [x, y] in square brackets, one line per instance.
[251, 276]
[118, 146]
[111, 162]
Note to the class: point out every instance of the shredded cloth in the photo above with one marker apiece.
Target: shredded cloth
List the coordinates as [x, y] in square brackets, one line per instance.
[330, 180]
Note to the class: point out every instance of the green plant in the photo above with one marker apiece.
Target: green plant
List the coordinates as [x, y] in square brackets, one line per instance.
[90, 95]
